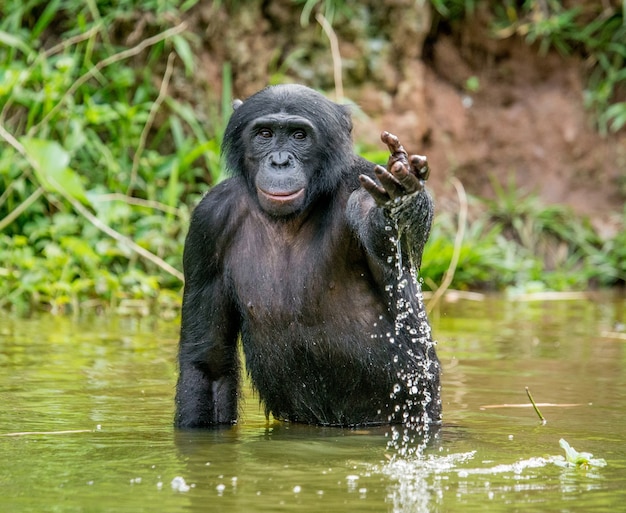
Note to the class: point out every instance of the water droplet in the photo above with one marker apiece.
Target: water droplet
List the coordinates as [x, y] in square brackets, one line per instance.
[179, 484]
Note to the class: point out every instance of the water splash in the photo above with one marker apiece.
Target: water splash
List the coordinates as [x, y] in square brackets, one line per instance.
[416, 484]
[419, 484]
[413, 433]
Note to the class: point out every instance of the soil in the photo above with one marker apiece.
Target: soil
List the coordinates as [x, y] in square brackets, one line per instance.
[407, 72]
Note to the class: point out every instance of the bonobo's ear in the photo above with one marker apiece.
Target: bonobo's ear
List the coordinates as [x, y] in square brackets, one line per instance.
[236, 104]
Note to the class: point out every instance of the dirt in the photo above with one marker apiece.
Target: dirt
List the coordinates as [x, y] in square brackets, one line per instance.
[523, 121]
[526, 122]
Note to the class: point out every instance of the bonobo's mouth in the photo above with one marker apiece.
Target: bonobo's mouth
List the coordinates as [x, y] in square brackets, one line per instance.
[282, 198]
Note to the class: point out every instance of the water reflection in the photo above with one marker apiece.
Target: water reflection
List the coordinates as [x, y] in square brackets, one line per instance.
[70, 377]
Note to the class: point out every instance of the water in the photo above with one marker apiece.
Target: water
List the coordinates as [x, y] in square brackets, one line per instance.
[412, 437]
[96, 396]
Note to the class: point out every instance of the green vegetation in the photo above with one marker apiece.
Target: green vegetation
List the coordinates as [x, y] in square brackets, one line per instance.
[516, 243]
[329, 8]
[100, 165]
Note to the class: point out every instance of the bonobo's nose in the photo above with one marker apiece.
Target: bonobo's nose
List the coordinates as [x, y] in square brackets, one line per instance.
[280, 159]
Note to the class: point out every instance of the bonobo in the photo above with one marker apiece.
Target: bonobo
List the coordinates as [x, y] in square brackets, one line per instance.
[308, 253]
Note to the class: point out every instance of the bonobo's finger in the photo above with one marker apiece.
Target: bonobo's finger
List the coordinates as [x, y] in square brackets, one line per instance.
[419, 166]
[393, 187]
[410, 183]
[393, 143]
[376, 191]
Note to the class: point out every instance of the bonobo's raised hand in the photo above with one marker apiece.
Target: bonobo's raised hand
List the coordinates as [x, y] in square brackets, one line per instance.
[404, 175]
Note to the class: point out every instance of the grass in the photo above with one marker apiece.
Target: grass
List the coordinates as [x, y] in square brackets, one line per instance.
[513, 242]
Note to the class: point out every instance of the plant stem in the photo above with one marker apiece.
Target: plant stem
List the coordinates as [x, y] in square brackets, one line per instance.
[334, 51]
[458, 242]
[21, 208]
[532, 401]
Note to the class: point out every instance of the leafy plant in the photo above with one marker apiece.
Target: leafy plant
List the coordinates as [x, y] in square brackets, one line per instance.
[573, 458]
[81, 144]
[487, 260]
[514, 242]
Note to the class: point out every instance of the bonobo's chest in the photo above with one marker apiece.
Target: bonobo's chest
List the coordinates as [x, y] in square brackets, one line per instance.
[283, 272]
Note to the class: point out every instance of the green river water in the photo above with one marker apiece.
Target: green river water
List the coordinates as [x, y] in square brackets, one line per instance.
[86, 423]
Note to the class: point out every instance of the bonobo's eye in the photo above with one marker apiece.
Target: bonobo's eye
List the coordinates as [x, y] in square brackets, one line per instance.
[299, 135]
[265, 133]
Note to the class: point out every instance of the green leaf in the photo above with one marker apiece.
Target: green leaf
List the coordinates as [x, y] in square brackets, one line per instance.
[15, 42]
[616, 113]
[46, 17]
[184, 52]
[51, 168]
[573, 458]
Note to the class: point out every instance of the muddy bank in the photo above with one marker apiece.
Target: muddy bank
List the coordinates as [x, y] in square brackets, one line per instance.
[477, 106]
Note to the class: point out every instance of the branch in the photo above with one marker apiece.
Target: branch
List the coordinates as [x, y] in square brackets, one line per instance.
[48, 53]
[131, 200]
[153, 112]
[458, 242]
[31, 433]
[70, 41]
[334, 50]
[532, 401]
[158, 261]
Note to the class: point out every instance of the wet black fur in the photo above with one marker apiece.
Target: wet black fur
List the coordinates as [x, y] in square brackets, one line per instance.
[307, 293]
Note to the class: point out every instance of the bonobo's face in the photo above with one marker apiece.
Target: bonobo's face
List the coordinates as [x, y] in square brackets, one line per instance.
[291, 145]
[279, 149]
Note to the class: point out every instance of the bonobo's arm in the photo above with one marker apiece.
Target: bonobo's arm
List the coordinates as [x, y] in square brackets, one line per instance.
[400, 202]
[207, 389]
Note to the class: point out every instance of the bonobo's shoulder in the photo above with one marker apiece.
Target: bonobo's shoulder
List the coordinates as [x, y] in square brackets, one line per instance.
[224, 194]
[222, 203]
[364, 166]
[360, 166]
